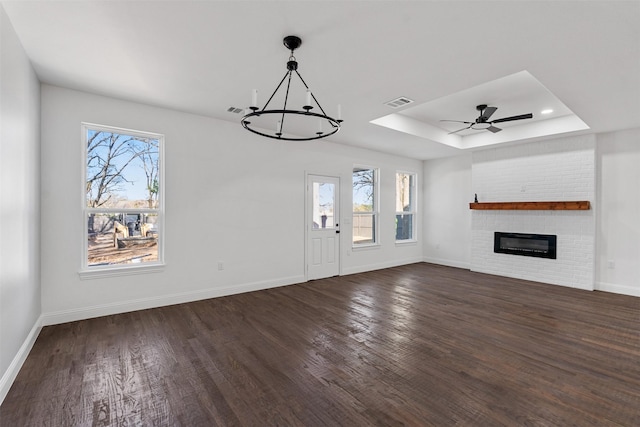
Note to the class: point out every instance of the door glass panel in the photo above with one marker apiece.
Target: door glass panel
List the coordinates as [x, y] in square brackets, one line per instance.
[323, 205]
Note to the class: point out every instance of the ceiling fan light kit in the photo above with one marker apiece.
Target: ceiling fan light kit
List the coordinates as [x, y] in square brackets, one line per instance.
[315, 130]
[483, 123]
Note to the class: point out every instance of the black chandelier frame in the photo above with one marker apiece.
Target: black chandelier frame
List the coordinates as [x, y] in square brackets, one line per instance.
[292, 43]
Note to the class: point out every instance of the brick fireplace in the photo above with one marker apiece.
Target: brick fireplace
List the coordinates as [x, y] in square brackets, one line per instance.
[559, 169]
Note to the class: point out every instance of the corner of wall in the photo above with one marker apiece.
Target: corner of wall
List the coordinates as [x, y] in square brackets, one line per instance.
[12, 371]
[20, 287]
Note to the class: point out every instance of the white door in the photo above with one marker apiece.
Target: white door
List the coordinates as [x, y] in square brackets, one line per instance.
[323, 229]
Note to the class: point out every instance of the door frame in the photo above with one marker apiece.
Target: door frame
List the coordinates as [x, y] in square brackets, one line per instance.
[307, 219]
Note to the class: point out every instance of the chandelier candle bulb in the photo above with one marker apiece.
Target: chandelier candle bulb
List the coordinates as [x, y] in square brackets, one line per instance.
[308, 98]
[278, 126]
[254, 98]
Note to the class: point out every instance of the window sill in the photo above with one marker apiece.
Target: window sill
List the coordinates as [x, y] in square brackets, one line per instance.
[406, 242]
[100, 273]
[365, 247]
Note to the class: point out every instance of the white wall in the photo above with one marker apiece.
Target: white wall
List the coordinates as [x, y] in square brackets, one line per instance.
[618, 231]
[19, 205]
[447, 218]
[244, 193]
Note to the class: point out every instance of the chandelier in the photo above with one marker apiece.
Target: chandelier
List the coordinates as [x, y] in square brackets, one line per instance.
[302, 124]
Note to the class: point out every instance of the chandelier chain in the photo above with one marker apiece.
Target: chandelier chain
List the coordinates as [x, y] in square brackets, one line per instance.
[286, 98]
[275, 91]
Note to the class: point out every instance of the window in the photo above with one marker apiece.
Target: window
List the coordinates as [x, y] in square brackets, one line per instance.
[365, 206]
[123, 203]
[405, 206]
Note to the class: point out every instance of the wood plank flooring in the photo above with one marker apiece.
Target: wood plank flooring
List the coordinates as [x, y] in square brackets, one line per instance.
[417, 345]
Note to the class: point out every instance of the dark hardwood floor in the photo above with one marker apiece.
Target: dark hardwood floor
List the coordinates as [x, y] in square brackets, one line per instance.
[418, 345]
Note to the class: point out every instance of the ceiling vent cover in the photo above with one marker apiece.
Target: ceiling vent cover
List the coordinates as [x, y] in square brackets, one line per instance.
[399, 102]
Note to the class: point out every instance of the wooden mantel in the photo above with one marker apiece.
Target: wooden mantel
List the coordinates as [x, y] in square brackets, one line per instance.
[581, 205]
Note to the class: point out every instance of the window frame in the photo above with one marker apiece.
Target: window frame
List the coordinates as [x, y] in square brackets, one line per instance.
[413, 195]
[88, 272]
[375, 211]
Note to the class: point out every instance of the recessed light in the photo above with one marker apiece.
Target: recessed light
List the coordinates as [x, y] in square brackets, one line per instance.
[547, 111]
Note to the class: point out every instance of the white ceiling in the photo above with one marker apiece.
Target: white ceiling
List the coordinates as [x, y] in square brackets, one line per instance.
[517, 94]
[203, 57]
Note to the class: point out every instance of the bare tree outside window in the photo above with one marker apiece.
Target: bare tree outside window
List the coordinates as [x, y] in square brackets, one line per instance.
[114, 165]
[122, 187]
[363, 187]
[405, 206]
[364, 206]
[150, 165]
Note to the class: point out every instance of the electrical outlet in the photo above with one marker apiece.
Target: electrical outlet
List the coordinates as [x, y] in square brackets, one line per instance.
[220, 265]
[611, 264]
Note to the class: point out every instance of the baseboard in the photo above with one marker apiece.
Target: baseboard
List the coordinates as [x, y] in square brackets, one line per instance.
[448, 262]
[64, 316]
[633, 291]
[379, 266]
[11, 373]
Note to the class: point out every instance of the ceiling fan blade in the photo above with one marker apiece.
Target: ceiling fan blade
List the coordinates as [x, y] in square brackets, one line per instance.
[512, 118]
[460, 130]
[457, 121]
[493, 129]
[488, 112]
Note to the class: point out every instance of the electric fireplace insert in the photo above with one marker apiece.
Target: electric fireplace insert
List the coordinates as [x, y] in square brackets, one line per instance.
[535, 245]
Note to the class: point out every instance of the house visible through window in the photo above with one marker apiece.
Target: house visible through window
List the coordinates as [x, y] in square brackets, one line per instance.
[123, 198]
[405, 206]
[365, 206]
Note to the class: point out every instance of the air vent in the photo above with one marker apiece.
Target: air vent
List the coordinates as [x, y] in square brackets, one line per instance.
[399, 102]
[235, 110]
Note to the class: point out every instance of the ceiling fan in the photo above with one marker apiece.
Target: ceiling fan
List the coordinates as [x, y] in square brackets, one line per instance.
[482, 122]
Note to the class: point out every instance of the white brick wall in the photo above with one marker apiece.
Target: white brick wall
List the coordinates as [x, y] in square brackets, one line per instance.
[559, 169]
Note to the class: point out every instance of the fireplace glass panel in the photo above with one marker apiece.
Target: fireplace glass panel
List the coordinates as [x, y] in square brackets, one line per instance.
[534, 245]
